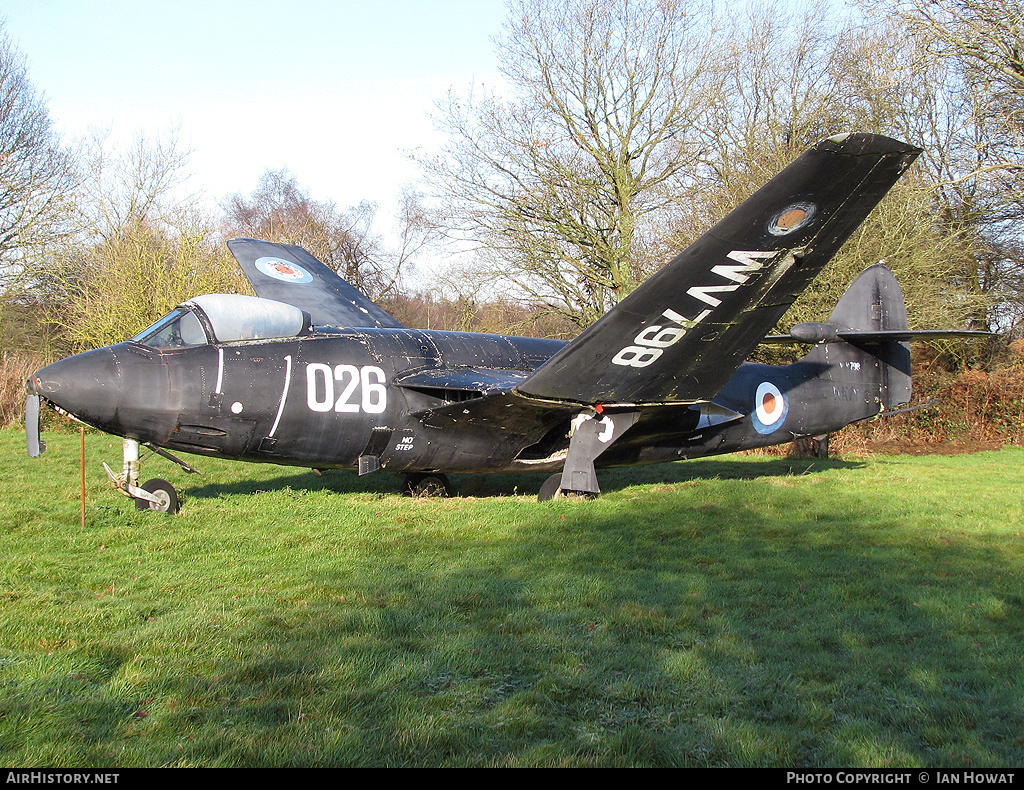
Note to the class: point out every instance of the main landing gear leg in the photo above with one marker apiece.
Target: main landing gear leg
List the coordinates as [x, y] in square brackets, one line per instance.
[591, 435]
[155, 494]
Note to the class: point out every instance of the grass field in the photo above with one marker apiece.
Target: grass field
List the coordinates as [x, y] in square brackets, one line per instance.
[740, 611]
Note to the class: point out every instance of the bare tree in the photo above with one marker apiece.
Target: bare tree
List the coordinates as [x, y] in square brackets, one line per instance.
[560, 178]
[629, 127]
[986, 39]
[792, 76]
[142, 244]
[144, 181]
[973, 51]
[36, 173]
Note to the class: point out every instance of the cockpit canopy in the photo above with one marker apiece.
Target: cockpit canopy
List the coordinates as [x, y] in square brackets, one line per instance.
[224, 318]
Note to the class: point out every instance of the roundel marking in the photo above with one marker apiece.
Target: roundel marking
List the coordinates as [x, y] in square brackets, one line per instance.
[770, 408]
[285, 271]
[791, 219]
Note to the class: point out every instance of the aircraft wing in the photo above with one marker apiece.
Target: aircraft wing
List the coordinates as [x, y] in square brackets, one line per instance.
[289, 274]
[681, 335]
[472, 381]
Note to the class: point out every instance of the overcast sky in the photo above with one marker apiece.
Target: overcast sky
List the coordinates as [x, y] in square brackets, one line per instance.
[335, 90]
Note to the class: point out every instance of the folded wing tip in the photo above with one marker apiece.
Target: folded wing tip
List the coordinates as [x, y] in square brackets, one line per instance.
[866, 144]
[291, 274]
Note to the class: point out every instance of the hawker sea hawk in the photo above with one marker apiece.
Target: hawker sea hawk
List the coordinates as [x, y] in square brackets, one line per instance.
[312, 373]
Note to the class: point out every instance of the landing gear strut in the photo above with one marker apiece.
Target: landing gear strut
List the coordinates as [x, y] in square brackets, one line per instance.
[591, 434]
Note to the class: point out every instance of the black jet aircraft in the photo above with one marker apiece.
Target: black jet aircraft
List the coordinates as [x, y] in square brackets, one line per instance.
[312, 373]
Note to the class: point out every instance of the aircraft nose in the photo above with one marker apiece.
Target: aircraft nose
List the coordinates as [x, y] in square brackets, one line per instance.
[85, 385]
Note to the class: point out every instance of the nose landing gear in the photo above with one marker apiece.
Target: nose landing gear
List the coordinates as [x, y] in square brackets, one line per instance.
[155, 494]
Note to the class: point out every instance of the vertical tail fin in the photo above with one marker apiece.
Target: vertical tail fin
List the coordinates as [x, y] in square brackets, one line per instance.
[879, 365]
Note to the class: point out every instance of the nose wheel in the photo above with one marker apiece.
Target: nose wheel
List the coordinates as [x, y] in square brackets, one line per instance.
[155, 494]
[163, 499]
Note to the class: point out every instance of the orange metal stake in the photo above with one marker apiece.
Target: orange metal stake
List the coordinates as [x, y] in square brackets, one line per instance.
[81, 464]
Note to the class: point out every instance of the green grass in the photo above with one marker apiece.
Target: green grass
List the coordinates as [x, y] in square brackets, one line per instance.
[739, 611]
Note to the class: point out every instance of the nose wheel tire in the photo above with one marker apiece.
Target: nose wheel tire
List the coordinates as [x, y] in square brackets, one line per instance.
[163, 491]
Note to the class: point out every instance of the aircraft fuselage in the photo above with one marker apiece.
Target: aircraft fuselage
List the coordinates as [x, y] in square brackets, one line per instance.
[322, 401]
[413, 400]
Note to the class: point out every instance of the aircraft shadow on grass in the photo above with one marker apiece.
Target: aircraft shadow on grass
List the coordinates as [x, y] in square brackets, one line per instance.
[339, 481]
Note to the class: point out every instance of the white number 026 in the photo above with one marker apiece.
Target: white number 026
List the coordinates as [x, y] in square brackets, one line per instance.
[346, 388]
